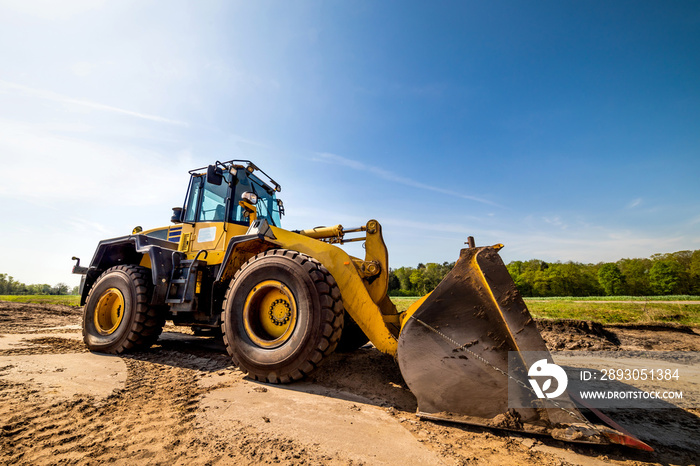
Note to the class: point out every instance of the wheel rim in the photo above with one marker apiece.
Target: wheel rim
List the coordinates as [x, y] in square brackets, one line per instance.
[109, 311]
[269, 314]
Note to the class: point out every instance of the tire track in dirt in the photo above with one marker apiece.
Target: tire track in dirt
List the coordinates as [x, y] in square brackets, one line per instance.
[150, 416]
[47, 345]
[151, 420]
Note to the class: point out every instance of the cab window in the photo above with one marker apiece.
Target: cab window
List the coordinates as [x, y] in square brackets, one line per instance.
[213, 207]
[193, 199]
[206, 202]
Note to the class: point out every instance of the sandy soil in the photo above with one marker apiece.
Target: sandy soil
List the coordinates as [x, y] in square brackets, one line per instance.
[182, 402]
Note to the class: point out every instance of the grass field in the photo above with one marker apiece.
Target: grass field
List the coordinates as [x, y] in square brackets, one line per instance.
[68, 300]
[639, 312]
[618, 312]
[620, 298]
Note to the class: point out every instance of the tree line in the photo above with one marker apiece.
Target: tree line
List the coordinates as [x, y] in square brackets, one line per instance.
[8, 285]
[676, 273]
[661, 274]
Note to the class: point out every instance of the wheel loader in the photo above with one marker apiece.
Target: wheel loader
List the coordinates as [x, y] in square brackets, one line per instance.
[285, 300]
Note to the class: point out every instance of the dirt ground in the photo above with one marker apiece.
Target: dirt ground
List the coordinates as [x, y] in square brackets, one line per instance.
[182, 402]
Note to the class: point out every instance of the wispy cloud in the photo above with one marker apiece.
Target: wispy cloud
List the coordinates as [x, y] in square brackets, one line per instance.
[391, 176]
[6, 86]
[634, 203]
[81, 225]
[555, 222]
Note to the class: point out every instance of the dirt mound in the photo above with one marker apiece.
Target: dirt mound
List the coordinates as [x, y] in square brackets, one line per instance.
[570, 334]
[368, 374]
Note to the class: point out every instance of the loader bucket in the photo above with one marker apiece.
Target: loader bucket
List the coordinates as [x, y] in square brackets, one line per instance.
[453, 353]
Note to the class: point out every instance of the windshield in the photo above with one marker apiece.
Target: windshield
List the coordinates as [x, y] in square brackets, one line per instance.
[267, 201]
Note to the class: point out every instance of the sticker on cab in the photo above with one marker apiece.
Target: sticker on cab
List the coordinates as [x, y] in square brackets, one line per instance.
[206, 234]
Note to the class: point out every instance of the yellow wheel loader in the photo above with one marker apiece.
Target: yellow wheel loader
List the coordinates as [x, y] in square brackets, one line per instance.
[285, 300]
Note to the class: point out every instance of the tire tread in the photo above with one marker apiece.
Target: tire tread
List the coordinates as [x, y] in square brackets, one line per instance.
[332, 313]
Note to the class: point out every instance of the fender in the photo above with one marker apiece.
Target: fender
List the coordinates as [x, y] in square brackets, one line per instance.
[239, 250]
[131, 249]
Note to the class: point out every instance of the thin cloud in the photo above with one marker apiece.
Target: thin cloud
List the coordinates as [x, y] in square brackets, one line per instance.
[52, 96]
[634, 203]
[81, 225]
[555, 222]
[390, 176]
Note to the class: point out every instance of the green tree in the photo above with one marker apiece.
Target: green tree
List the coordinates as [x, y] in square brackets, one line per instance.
[8, 285]
[572, 279]
[611, 279]
[60, 289]
[403, 274]
[515, 269]
[695, 272]
[665, 276]
[417, 278]
[636, 273]
[394, 283]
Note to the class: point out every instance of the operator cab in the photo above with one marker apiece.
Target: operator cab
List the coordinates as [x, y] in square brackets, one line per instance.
[215, 195]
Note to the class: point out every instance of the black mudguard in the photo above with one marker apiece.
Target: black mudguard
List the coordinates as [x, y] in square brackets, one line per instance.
[130, 250]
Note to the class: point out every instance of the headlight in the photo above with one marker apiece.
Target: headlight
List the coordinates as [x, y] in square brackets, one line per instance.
[250, 197]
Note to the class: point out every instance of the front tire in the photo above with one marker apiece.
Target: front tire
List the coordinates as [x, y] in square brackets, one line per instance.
[116, 316]
[282, 316]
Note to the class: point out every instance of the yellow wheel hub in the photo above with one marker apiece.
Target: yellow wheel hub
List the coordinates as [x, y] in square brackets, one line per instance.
[270, 314]
[109, 311]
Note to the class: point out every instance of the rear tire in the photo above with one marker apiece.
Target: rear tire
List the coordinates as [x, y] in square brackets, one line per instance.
[117, 316]
[282, 316]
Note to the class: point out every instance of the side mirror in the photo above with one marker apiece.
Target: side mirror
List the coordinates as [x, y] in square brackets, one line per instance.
[280, 206]
[214, 175]
[177, 215]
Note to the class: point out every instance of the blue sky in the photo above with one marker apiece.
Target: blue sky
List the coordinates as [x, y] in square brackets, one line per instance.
[565, 130]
